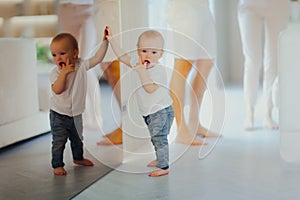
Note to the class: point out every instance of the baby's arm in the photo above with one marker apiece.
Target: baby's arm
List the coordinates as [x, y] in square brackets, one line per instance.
[148, 84]
[60, 84]
[119, 52]
[98, 57]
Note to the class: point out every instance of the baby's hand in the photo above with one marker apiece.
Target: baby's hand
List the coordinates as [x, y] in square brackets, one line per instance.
[67, 68]
[107, 33]
[140, 67]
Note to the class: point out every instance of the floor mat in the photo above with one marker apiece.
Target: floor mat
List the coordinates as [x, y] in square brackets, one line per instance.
[26, 172]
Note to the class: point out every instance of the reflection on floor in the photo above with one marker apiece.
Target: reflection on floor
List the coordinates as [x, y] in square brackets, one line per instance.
[26, 171]
[240, 165]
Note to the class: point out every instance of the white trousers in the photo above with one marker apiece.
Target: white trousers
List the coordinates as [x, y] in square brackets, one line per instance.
[260, 23]
[78, 20]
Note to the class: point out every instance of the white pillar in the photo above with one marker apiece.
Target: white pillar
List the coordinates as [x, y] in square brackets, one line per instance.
[134, 19]
[289, 107]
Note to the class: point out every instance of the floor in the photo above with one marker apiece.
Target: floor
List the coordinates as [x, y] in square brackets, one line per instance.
[26, 171]
[241, 166]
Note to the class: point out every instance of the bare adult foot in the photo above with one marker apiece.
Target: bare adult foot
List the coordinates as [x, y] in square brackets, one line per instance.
[206, 133]
[189, 140]
[59, 171]
[84, 162]
[113, 138]
[249, 120]
[158, 172]
[152, 163]
[184, 137]
[269, 123]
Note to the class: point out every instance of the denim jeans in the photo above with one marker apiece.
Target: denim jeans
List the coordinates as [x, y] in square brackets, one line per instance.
[63, 128]
[159, 125]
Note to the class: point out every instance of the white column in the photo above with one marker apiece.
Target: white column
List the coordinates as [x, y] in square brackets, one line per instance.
[289, 107]
[134, 19]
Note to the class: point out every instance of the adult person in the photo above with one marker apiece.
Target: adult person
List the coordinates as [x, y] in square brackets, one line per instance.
[194, 48]
[260, 23]
[107, 13]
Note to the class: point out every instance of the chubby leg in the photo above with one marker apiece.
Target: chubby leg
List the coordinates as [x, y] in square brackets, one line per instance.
[203, 68]
[111, 71]
[177, 91]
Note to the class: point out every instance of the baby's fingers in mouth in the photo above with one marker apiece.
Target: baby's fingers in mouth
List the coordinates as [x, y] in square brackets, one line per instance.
[62, 64]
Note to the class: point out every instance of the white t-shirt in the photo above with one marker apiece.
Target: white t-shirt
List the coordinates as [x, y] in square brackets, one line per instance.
[71, 102]
[158, 100]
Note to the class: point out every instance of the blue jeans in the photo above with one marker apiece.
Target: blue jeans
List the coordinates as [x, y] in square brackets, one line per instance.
[159, 125]
[64, 127]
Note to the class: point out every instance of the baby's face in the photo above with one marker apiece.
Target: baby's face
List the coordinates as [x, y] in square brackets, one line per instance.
[150, 51]
[61, 51]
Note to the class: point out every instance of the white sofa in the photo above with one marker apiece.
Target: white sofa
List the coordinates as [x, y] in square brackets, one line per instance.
[20, 116]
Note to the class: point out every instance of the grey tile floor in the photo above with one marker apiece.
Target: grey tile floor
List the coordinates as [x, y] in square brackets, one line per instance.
[239, 166]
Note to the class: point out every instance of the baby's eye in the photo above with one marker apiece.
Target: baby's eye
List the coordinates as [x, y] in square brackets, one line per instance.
[62, 53]
[53, 55]
[154, 52]
[144, 51]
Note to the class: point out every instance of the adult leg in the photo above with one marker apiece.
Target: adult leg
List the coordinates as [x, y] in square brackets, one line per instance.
[177, 91]
[251, 29]
[273, 26]
[87, 41]
[111, 71]
[203, 68]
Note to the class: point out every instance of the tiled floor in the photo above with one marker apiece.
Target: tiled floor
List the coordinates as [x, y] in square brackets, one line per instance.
[239, 166]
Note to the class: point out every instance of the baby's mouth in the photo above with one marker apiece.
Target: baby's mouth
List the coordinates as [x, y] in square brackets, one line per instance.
[146, 62]
[61, 64]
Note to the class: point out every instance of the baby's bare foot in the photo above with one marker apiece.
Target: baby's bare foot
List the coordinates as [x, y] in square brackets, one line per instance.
[158, 172]
[152, 163]
[59, 171]
[84, 162]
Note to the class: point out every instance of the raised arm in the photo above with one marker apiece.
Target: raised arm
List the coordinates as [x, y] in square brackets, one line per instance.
[98, 57]
[148, 84]
[119, 52]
